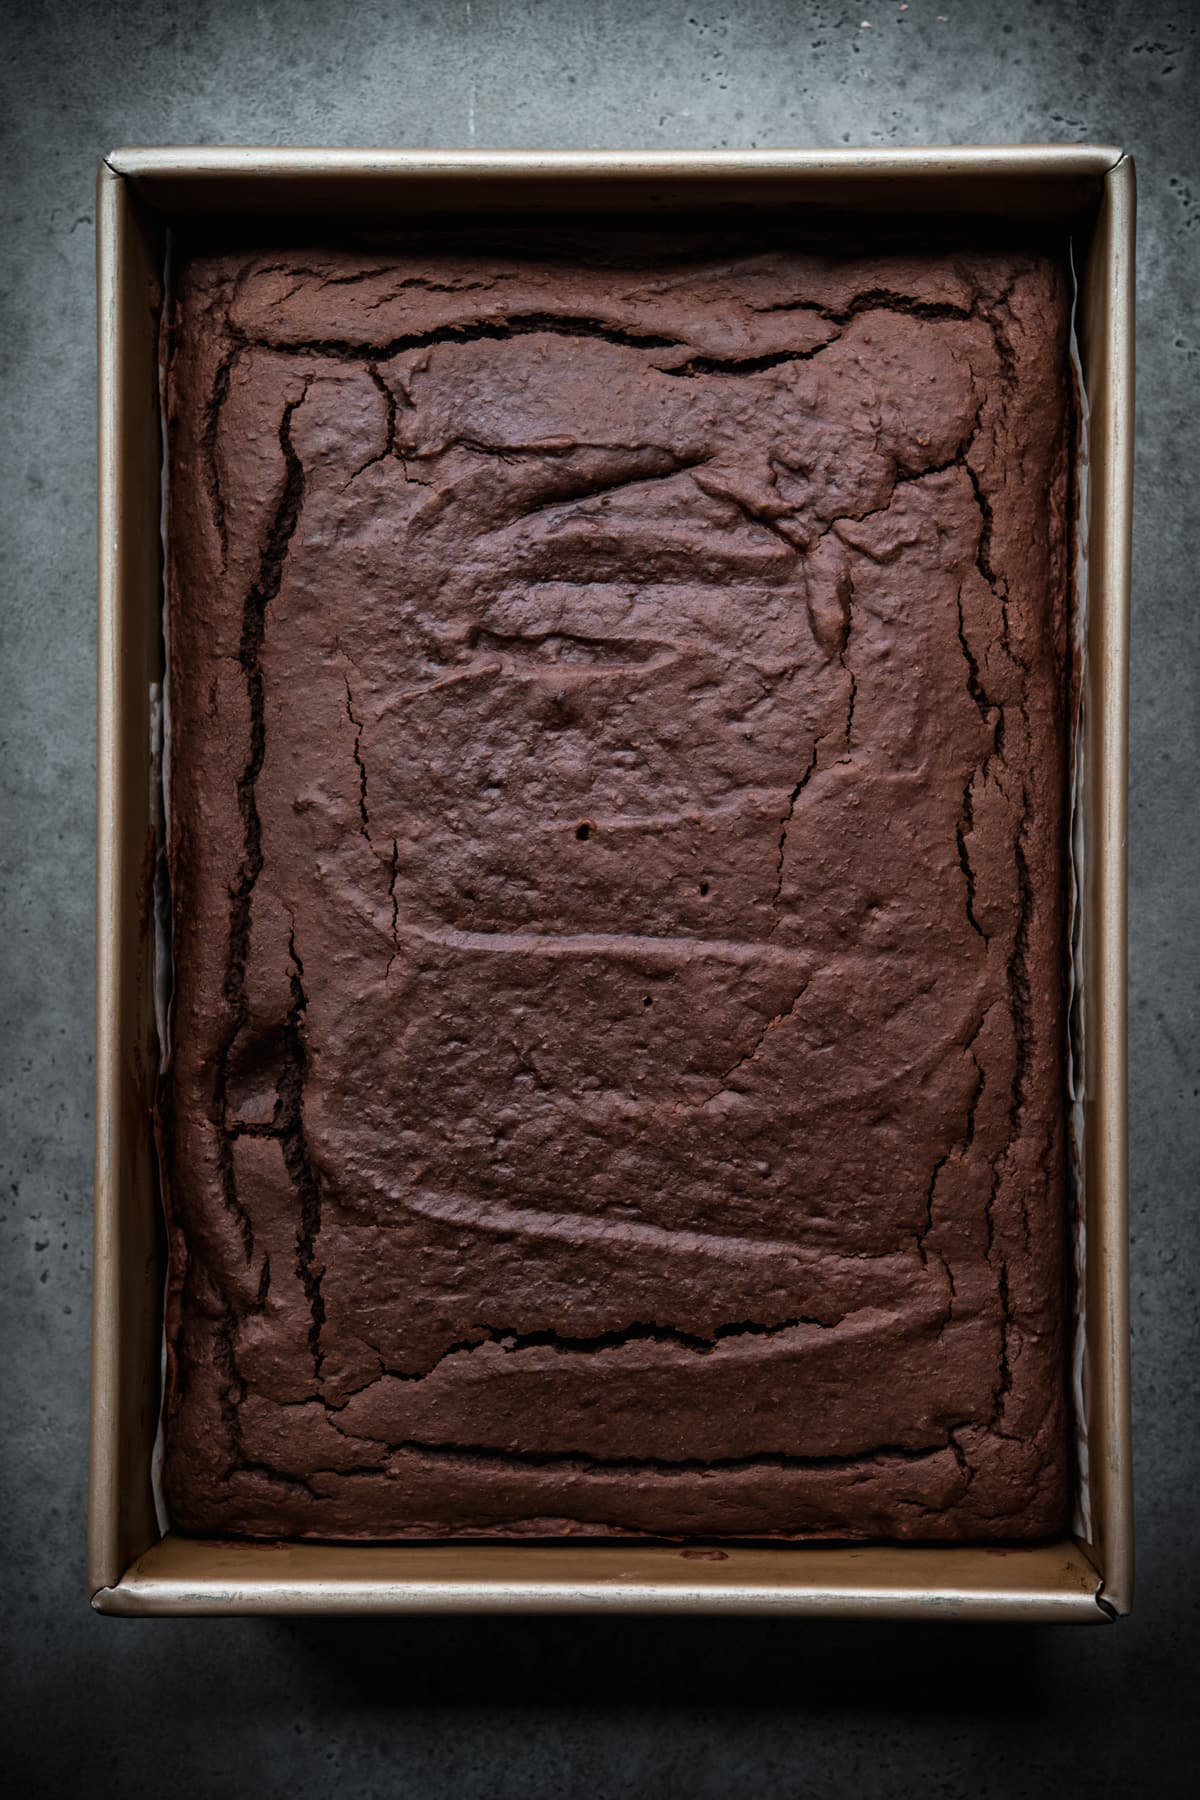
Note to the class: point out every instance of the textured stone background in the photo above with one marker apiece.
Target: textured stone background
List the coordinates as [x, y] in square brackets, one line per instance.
[535, 1707]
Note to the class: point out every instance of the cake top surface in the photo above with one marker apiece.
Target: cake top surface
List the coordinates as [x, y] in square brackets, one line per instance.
[616, 795]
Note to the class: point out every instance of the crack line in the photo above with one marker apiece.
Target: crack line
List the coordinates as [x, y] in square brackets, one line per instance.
[258, 599]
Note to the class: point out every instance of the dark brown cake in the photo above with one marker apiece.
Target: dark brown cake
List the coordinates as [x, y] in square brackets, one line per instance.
[617, 846]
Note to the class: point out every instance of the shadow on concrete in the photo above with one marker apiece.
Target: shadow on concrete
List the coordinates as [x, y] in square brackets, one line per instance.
[791, 1665]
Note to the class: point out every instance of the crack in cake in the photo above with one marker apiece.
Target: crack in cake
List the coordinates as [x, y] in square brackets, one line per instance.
[616, 800]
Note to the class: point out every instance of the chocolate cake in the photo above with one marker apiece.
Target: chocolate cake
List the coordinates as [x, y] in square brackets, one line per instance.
[616, 838]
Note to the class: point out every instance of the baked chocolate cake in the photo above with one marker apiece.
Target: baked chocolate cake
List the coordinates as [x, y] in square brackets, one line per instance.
[617, 851]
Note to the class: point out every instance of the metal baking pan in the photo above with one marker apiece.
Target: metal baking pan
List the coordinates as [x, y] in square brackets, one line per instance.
[1080, 194]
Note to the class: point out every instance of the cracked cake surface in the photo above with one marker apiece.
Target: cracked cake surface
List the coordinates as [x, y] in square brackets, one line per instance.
[616, 837]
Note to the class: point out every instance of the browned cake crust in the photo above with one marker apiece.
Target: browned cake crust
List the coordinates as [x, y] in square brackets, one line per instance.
[617, 844]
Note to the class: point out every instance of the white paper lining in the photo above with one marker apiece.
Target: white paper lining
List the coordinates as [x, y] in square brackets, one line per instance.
[160, 813]
[1081, 1520]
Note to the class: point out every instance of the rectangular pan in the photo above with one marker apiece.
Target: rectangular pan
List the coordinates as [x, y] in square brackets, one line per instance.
[1085, 192]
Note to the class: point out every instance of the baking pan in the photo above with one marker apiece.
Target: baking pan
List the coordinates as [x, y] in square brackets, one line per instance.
[1081, 194]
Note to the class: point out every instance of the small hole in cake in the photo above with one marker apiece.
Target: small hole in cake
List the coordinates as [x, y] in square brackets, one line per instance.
[583, 832]
[646, 1000]
[704, 890]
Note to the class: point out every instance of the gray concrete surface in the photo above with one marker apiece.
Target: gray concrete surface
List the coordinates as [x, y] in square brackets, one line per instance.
[529, 1707]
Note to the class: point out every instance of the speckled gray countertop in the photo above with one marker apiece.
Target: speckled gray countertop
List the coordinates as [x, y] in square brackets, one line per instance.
[532, 1707]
